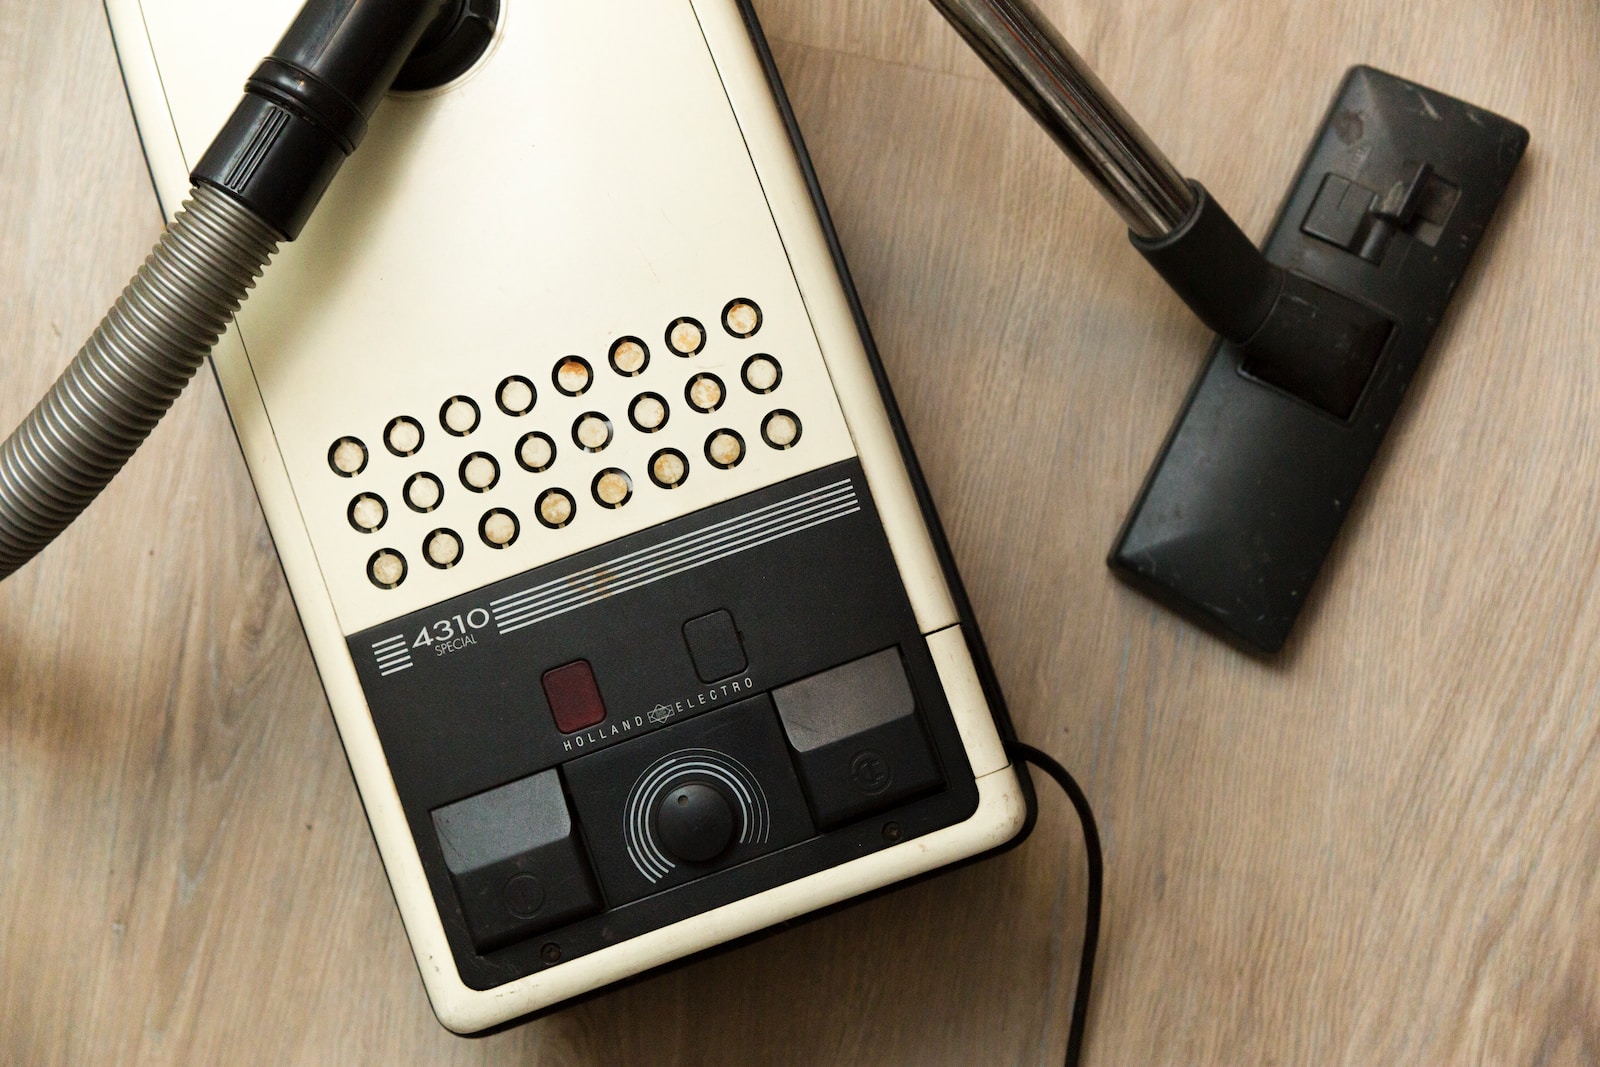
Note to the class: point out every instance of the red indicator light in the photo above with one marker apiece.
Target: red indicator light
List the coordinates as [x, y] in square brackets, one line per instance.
[574, 698]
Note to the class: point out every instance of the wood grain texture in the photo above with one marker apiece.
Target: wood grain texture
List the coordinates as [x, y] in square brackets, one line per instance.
[1381, 849]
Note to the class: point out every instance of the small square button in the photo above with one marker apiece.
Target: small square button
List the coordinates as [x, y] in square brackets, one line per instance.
[714, 645]
[1339, 212]
[574, 698]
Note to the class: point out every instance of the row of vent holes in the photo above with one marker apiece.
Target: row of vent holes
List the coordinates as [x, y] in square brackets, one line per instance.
[611, 488]
[499, 528]
[460, 416]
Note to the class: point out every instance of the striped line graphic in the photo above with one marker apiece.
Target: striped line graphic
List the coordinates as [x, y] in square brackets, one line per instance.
[392, 655]
[685, 552]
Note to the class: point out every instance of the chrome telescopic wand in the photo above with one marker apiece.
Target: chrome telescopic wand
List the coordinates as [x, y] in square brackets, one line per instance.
[1174, 223]
[1058, 88]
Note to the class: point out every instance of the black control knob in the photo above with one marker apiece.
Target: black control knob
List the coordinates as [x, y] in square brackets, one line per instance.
[695, 822]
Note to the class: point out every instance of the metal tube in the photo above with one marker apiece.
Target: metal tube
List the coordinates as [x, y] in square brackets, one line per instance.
[1058, 88]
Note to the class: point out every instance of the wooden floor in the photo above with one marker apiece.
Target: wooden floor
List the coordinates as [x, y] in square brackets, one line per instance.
[1383, 848]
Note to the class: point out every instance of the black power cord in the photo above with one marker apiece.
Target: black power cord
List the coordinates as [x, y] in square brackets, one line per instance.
[1091, 924]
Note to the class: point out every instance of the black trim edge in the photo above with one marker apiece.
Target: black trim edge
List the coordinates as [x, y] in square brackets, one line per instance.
[958, 591]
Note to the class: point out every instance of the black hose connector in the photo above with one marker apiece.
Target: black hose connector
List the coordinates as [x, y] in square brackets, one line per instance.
[451, 46]
[307, 105]
[1212, 265]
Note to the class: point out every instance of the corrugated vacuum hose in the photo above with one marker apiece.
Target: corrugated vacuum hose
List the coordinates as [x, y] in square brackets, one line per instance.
[130, 371]
[304, 111]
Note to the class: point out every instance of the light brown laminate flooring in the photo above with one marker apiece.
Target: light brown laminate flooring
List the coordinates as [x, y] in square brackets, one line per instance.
[1381, 848]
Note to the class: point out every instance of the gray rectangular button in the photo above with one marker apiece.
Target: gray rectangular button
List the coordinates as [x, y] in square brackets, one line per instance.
[858, 742]
[514, 856]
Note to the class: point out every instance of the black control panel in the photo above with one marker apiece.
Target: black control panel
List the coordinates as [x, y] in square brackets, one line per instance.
[671, 722]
